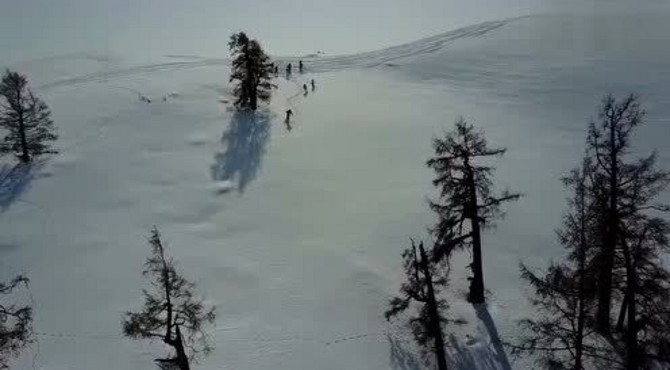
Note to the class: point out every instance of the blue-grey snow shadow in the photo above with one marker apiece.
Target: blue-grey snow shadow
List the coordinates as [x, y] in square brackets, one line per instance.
[245, 143]
[401, 357]
[14, 180]
[481, 356]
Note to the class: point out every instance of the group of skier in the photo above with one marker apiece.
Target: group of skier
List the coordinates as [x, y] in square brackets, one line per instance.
[301, 69]
[289, 69]
[304, 87]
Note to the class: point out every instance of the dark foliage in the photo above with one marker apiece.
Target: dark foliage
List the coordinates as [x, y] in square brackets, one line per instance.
[467, 202]
[565, 296]
[644, 320]
[25, 117]
[424, 280]
[617, 239]
[607, 143]
[15, 324]
[251, 70]
[643, 326]
[171, 312]
[633, 237]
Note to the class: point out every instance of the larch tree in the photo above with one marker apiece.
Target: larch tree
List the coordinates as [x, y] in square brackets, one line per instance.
[15, 323]
[562, 336]
[424, 280]
[26, 118]
[643, 325]
[466, 201]
[252, 72]
[633, 238]
[171, 312]
[622, 259]
[644, 318]
[607, 144]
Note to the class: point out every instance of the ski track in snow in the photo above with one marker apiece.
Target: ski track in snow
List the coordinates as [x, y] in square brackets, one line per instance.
[317, 64]
[134, 71]
[484, 351]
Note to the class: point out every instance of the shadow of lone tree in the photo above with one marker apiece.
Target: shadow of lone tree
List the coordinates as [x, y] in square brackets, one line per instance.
[14, 180]
[171, 312]
[401, 357]
[487, 353]
[245, 143]
[496, 347]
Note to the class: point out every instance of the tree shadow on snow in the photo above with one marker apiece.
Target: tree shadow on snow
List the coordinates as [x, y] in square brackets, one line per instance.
[486, 354]
[401, 357]
[245, 143]
[14, 180]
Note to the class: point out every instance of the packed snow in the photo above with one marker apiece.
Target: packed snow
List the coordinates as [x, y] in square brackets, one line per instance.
[295, 235]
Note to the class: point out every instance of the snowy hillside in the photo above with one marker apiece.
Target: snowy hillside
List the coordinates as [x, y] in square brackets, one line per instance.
[295, 235]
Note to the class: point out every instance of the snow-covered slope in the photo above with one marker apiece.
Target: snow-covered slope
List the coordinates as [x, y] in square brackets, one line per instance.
[316, 63]
[296, 235]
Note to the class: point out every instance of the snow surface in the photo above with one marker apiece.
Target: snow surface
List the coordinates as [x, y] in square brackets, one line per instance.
[296, 234]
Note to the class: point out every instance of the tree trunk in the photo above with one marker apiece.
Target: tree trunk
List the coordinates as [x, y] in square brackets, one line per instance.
[632, 361]
[581, 294]
[579, 340]
[606, 266]
[182, 359]
[609, 240]
[622, 313]
[168, 297]
[581, 315]
[476, 294]
[253, 97]
[25, 157]
[434, 312]
[632, 353]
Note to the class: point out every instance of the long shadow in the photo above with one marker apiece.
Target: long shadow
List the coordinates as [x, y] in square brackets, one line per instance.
[14, 180]
[402, 358]
[496, 342]
[481, 356]
[244, 142]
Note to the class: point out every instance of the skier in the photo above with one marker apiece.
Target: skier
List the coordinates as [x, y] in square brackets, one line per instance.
[313, 85]
[289, 113]
[304, 87]
[288, 70]
[300, 66]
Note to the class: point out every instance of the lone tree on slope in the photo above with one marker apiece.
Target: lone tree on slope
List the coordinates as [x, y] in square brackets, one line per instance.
[424, 278]
[15, 324]
[171, 312]
[465, 195]
[26, 117]
[252, 70]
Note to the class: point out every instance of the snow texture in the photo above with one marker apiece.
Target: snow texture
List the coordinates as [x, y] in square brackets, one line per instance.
[296, 235]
